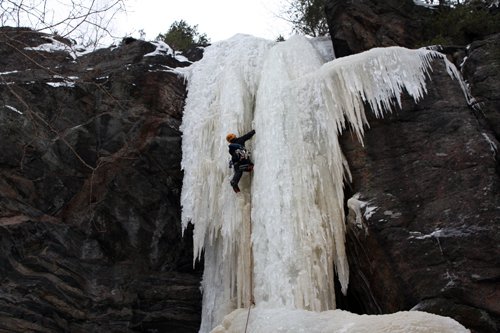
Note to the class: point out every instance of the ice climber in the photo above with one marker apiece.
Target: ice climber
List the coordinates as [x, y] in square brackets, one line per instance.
[240, 157]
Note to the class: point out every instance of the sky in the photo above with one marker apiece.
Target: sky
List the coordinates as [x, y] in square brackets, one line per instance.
[218, 19]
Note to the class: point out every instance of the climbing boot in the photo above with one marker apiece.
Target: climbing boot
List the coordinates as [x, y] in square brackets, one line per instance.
[235, 187]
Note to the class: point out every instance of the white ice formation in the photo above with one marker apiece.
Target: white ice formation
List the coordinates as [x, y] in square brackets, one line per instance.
[281, 239]
[337, 321]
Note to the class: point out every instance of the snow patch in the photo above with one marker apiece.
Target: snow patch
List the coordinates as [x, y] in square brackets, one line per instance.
[61, 84]
[167, 69]
[464, 60]
[426, 3]
[493, 146]
[162, 49]
[65, 81]
[357, 205]
[12, 109]
[56, 46]
[7, 73]
[462, 231]
[180, 57]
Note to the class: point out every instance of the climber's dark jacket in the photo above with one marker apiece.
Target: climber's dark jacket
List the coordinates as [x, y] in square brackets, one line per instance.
[240, 164]
[239, 143]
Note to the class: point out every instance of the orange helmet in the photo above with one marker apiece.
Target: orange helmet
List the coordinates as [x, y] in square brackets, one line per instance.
[230, 137]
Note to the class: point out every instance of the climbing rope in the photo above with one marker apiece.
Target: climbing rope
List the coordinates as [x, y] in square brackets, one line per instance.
[251, 300]
[248, 316]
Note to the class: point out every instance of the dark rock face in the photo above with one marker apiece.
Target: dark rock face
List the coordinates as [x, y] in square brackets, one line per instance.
[482, 70]
[432, 171]
[359, 25]
[432, 243]
[89, 195]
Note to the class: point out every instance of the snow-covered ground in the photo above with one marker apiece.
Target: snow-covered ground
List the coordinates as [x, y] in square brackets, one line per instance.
[337, 321]
[426, 3]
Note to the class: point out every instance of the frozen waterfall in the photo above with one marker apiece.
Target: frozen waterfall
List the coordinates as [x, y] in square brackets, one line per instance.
[280, 239]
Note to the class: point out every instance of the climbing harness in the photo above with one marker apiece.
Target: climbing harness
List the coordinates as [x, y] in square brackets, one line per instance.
[240, 151]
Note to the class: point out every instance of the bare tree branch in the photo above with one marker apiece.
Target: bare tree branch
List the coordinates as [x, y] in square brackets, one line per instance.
[306, 16]
[64, 17]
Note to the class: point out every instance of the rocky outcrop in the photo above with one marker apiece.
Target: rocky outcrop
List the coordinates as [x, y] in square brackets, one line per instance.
[357, 26]
[431, 173]
[481, 69]
[89, 207]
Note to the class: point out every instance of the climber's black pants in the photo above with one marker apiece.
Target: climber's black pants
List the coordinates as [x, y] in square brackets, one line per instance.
[239, 168]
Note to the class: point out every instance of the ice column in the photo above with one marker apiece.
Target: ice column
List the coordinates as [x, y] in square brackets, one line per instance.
[292, 211]
[221, 98]
[295, 208]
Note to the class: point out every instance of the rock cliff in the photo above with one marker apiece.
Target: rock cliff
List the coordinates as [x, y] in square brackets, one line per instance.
[357, 26]
[431, 172]
[89, 204]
